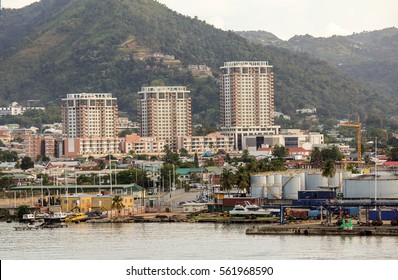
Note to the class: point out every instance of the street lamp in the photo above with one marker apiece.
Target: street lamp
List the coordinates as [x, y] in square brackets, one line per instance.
[42, 198]
[375, 171]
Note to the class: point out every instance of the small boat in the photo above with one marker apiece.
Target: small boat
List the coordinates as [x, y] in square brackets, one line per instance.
[56, 217]
[28, 218]
[76, 218]
[42, 215]
[248, 209]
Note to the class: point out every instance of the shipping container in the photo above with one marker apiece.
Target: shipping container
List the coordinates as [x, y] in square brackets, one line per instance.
[296, 214]
[310, 202]
[316, 194]
[306, 195]
[386, 214]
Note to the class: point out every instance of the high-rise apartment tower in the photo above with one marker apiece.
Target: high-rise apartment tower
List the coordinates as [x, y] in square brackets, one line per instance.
[165, 113]
[90, 115]
[247, 100]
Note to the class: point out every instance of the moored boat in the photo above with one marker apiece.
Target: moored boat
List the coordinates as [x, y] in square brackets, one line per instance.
[56, 217]
[248, 209]
[76, 218]
[28, 218]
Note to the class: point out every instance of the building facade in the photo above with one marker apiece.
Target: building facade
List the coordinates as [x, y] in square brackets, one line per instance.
[211, 142]
[16, 109]
[141, 145]
[247, 100]
[77, 147]
[165, 113]
[90, 115]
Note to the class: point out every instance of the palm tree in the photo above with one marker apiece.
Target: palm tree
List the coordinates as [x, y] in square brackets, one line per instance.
[316, 157]
[117, 203]
[227, 180]
[242, 178]
[328, 169]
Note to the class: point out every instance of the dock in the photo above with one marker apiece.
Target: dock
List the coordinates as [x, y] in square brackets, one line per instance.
[323, 230]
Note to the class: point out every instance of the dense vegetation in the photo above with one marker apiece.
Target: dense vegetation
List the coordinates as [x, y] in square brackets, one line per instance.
[371, 57]
[55, 47]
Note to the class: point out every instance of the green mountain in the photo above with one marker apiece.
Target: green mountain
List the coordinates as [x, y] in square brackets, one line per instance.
[368, 56]
[55, 47]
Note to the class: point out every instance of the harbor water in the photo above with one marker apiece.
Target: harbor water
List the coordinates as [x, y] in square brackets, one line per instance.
[182, 241]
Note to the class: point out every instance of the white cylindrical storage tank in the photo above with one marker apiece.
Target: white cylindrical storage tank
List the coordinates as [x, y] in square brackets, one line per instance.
[314, 181]
[271, 180]
[278, 179]
[364, 186]
[258, 185]
[346, 175]
[302, 180]
[336, 180]
[290, 187]
[274, 191]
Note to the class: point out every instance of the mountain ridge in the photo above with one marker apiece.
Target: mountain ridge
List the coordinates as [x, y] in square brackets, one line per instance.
[369, 56]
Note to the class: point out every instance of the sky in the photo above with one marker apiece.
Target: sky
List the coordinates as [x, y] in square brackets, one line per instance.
[284, 18]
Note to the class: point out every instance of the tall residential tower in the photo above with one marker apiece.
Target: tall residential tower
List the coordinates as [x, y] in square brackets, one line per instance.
[247, 100]
[90, 115]
[165, 113]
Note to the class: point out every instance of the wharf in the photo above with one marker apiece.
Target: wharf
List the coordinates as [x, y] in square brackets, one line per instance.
[323, 230]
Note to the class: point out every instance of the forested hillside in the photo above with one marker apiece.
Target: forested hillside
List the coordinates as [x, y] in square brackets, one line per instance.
[56, 47]
[368, 56]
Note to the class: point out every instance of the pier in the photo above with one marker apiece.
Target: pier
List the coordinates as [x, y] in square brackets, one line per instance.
[323, 230]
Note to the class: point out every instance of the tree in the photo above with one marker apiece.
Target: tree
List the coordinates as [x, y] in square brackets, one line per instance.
[6, 182]
[332, 153]
[246, 157]
[117, 203]
[26, 163]
[328, 169]
[280, 152]
[227, 180]
[242, 177]
[184, 152]
[196, 160]
[170, 157]
[394, 154]
[316, 157]
[22, 210]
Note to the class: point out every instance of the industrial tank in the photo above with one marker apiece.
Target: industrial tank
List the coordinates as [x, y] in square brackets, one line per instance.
[336, 180]
[278, 179]
[274, 191]
[258, 185]
[314, 181]
[302, 180]
[364, 186]
[290, 187]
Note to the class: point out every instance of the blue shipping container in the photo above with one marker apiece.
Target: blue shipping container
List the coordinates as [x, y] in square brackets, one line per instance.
[386, 215]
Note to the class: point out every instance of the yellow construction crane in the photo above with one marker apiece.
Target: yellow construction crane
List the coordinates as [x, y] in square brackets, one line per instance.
[358, 126]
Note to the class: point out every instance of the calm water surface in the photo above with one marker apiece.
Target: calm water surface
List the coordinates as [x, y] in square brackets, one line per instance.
[167, 241]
